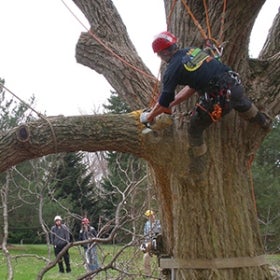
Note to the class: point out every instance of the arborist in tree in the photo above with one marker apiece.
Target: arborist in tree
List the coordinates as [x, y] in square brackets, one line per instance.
[218, 87]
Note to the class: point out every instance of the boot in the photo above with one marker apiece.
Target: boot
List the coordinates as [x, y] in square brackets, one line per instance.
[254, 115]
[61, 268]
[68, 268]
[263, 120]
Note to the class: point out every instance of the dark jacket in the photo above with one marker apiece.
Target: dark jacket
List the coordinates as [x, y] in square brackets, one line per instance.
[192, 67]
[87, 234]
[59, 236]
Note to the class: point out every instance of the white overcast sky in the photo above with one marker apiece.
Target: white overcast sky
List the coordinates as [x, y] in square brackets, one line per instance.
[37, 50]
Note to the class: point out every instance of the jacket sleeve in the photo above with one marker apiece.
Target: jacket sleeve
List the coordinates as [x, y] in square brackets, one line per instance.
[146, 229]
[52, 236]
[81, 235]
[66, 233]
[93, 232]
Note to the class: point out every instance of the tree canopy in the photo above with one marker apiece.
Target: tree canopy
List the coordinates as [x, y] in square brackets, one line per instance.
[210, 226]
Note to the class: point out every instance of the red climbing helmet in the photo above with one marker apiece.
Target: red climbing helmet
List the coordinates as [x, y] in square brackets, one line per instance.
[85, 221]
[163, 41]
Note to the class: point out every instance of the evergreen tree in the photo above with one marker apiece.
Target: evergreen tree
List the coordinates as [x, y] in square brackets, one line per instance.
[20, 203]
[73, 185]
[71, 181]
[116, 105]
[13, 112]
[266, 170]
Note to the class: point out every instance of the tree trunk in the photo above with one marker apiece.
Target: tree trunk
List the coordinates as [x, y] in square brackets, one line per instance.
[209, 221]
[213, 217]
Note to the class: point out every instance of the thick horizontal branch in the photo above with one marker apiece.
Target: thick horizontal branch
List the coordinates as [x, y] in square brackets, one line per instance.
[70, 134]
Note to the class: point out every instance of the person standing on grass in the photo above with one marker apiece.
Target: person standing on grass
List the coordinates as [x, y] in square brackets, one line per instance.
[88, 232]
[152, 228]
[60, 237]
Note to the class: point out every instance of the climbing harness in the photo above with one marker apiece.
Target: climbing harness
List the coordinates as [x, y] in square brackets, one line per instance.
[215, 98]
[216, 114]
[212, 46]
[219, 85]
[210, 106]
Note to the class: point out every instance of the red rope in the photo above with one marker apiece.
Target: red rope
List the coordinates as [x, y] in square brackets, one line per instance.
[208, 39]
[194, 19]
[170, 13]
[108, 48]
[221, 34]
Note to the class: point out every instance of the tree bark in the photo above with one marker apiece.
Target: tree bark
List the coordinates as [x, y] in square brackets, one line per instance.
[206, 220]
[67, 134]
[212, 218]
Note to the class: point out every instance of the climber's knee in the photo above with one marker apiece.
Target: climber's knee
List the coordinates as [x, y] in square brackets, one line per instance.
[250, 113]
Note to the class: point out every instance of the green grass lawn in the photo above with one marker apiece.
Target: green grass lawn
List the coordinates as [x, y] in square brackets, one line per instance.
[27, 264]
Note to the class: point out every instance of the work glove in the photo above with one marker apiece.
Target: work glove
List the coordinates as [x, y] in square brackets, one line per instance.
[160, 122]
[144, 118]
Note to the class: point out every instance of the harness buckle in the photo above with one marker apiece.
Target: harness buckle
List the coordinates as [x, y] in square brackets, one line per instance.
[235, 76]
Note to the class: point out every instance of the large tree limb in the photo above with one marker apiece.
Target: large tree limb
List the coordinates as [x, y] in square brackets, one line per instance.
[68, 134]
[108, 50]
[272, 43]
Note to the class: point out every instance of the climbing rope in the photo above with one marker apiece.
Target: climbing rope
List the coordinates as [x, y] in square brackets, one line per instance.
[211, 44]
[95, 37]
[155, 93]
[207, 19]
[184, 2]
[170, 13]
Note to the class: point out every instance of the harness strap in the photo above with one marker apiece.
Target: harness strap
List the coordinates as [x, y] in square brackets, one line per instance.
[222, 82]
[216, 114]
[217, 94]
